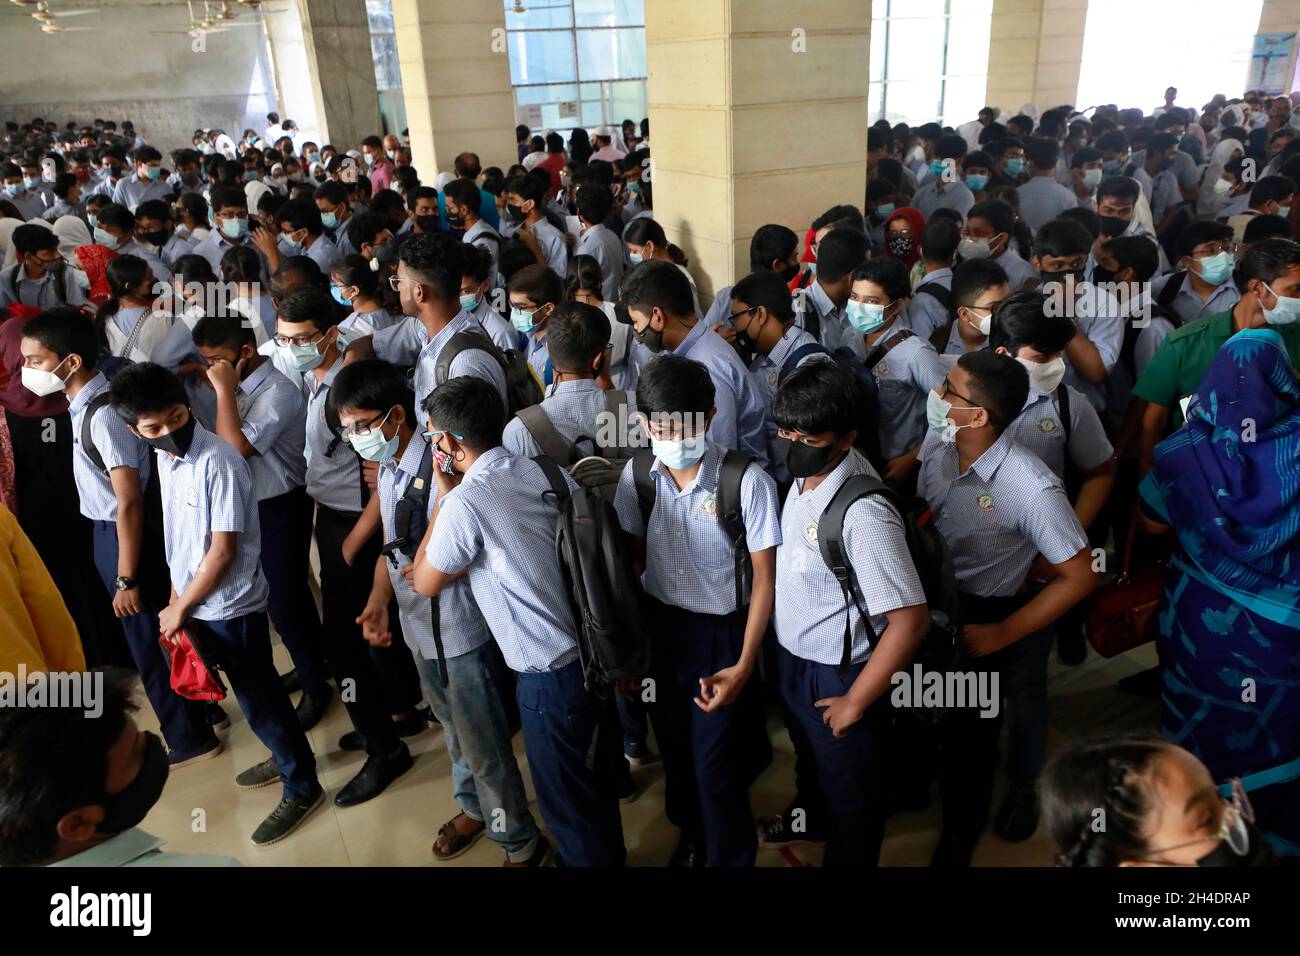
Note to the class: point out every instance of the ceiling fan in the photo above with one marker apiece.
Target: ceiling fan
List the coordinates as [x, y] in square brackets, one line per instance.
[49, 19]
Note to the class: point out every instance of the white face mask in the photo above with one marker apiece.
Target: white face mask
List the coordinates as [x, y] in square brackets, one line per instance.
[43, 383]
[984, 324]
[1222, 187]
[1044, 376]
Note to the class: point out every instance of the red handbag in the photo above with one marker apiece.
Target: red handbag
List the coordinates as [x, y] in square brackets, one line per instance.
[193, 676]
[1123, 613]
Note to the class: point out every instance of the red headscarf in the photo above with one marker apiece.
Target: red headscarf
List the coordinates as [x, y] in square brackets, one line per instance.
[916, 220]
[94, 260]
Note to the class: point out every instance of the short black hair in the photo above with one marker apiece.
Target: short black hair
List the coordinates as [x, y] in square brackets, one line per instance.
[576, 335]
[1023, 318]
[839, 214]
[888, 273]
[1271, 189]
[470, 407]
[764, 287]
[154, 209]
[594, 203]
[1200, 231]
[438, 260]
[1136, 252]
[464, 193]
[674, 385]
[526, 188]
[117, 215]
[309, 305]
[770, 243]
[301, 214]
[54, 759]
[31, 238]
[996, 213]
[372, 385]
[364, 228]
[820, 397]
[65, 331]
[973, 277]
[1121, 187]
[1267, 227]
[1267, 260]
[950, 146]
[1043, 153]
[1086, 218]
[241, 263]
[840, 252]
[1062, 237]
[940, 239]
[539, 283]
[657, 284]
[226, 197]
[332, 192]
[999, 385]
[1084, 154]
[145, 387]
[230, 330]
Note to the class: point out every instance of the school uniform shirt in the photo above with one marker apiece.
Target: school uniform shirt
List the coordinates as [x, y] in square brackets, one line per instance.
[261, 314]
[809, 613]
[741, 418]
[322, 251]
[539, 357]
[1188, 305]
[407, 343]
[210, 489]
[1042, 199]
[1002, 512]
[132, 190]
[577, 410]
[719, 311]
[342, 241]
[765, 374]
[270, 408]
[41, 293]
[30, 203]
[63, 208]
[936, 194]
[688, 556]
[1165, 194]
[925, 313]
[333, 469]
[153, 333]
[1101, 320]
[1017, 269]
[161, 271]
[482, 236]
[360, 324]
[1120, 382]
[171, 250]
[460, 622]
[504, 335]
[835, 330]
[1038, 429]
[487, 209]
[116, 444]
[1234, 207]
[607, 249]
[904, 378]
[217, 245]
[499, 523]
[554, 249]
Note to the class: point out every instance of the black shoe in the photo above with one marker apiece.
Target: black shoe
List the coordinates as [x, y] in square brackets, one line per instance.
[627, 791]
[777, 832]
[291, 682]
[427, 715]
[637, 752]
[411, 725]
[1145, 683]
[687, 854]
[218, 719]
[1071, 648]
[288, 815]
[374, 778]
[352, 742]
[949, 855]
[312, 707]
[1017, 818]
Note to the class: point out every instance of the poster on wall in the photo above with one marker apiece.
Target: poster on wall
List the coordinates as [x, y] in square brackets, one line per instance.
[1268, 62]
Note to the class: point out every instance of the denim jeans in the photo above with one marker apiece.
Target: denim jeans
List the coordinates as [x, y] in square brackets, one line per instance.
[485, 777]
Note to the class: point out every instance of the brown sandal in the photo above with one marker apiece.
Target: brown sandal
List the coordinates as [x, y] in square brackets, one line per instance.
[457, 843]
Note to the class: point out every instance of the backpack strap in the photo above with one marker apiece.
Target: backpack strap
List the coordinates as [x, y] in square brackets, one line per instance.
[555, 476]
[730, 476]
[644, 483]
[830, 542]
[87, 440]
[1063, 406]
[136, 331]
[466, 340]
[548, 437]
[937, 291]
[795, 358]
[811, 318]
[939, 337]
[884, 348]
[1171, 288]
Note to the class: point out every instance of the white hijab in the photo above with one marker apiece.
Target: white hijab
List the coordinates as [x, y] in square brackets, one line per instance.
[72, 233]
[1208, 202]
[7, 227]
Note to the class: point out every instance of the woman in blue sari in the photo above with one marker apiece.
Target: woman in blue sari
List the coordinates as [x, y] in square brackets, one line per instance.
[1228, 484]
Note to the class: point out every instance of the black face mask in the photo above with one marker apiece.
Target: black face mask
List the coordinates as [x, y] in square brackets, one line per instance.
[804, 461]
[745, 347]
[427, 224]
[178, 442]
[127, 809]
[788, 273]
[651, 339]
[456, 222]
[516, 213]
[1101, 274]
[1258, 852]
[190, 179]
[157, 238]
[1112, 226]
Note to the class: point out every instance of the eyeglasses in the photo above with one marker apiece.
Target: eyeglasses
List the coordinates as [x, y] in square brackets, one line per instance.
[1237, 812]
[1214, 249]
[946, 389]
[395, 282]
[435, 437]
[284, 341]
[362, 429]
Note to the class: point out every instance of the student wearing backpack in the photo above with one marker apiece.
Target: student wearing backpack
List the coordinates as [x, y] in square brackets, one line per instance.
[41, 278]
[59, 350]
[477, 292]
[534, 293]
[659, 304]
[905, 365]
[835, 662]
[460, 668]
[495, 519]
[1203, 283]
[999, 508]
[703, 514]
[931, 305]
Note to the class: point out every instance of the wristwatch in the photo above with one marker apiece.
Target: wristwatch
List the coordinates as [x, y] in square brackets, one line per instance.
[125, 584]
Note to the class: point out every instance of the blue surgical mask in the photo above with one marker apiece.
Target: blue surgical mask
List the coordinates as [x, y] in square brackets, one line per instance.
[32, 183]
[1217, 269]
[152, 172]
[1091, 178]
[1015, 167]
[1284, 312]
[373, 446]
[234, 228]
[937, 168]
[469, 303]
[1111, 166]
[523, 321]
[293, 245]
[865, 317]
[13, 189]
[680, 454]
[303, 358]
[885, 210]
[976, 181]
[93, 220]
[337, 292]
[250, 175]
[936, 414]
[329, 220]
[105, 238]
[636, 258]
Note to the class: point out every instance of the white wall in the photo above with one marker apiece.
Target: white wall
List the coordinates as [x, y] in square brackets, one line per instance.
[114, 66]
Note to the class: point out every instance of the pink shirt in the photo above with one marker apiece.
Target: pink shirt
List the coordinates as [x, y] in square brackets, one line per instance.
[381, 176]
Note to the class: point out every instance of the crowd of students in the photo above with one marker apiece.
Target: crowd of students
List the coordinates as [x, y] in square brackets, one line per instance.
[1034, 338]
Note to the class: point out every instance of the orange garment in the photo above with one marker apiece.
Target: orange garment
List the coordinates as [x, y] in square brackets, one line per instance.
[36, 629]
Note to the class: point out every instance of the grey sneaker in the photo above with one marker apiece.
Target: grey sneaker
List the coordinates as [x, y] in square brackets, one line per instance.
[288, 815]
[262, 775]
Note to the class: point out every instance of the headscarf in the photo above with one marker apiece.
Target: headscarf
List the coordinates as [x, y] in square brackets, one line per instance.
[1209, 202]
[1229, 481]
[72, 233]
[916, 219]
[7, 252]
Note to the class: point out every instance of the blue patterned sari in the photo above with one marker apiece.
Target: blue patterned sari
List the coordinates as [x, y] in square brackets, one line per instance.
[1228, 483]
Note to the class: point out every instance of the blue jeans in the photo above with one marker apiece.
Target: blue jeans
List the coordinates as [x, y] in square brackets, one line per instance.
[484, 775]
[572, 741]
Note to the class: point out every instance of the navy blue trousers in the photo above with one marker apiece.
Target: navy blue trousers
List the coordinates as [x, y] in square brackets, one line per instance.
[286, 562]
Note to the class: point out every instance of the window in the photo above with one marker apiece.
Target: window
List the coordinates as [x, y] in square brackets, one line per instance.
[383, 44]
[577, 62]
[929, 60]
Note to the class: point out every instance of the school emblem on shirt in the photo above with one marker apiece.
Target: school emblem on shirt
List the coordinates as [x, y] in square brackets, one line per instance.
[881, 370]
[1047, 425]
[810, 534]
[192, 497]
[773, 376]
[984, 502]
[710, 506]
[241, 404]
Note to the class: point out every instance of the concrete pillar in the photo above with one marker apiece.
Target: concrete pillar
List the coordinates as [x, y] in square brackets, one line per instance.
[336, 36]
[1281, 16]
[456, 82]
[758, 114]
[1035, 53]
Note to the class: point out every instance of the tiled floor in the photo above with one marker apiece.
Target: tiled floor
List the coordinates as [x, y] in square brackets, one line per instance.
[202, 812]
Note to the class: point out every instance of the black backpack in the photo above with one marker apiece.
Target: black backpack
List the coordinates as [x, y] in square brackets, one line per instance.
[522, 388]
[868, 441]
[730, 474]
[940, 647]
[603, 588]
[410, 521]
[600, 471]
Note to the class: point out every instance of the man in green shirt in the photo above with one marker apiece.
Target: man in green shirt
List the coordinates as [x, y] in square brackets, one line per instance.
[1269, 279]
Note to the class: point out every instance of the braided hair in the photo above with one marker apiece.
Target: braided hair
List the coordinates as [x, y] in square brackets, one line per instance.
[1095, 802]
